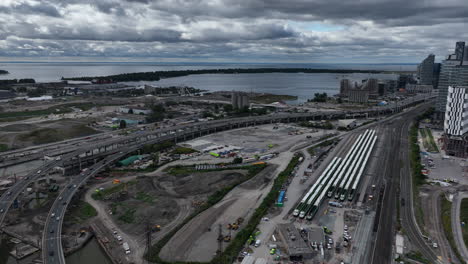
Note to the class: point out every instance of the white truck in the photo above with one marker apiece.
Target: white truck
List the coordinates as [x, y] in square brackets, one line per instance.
[126, 248]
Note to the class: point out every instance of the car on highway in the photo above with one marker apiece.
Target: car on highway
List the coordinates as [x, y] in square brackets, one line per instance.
[52, 215]
[39, 172]
[1, 210]
[57, 218]
[8, 193]
[60, 198]
[51, 253]
[51, 231]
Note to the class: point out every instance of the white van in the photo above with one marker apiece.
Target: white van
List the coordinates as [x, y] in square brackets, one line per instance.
[257, 243]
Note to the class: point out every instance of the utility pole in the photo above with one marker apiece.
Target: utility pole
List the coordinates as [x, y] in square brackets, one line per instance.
[220, 240]
[148, 238]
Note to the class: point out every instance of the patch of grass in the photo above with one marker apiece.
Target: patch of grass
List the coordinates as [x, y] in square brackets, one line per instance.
[428, 140]
[142, 196]
[183, 150]
[87, 210]
[431, 140]
[446, 215]
[3, 147]
[58, 109]
[82, 212]
[128, 216]
[114, 189]
[464, 218]
[186, 170]
[271, 98]
[48, 135]
[311, 150]
[416, 255]
[417, 178]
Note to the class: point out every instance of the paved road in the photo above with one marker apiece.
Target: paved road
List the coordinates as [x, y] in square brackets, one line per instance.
[408, 219]
[456, 226]
[436, 225]
[52, 251]
[7, 199]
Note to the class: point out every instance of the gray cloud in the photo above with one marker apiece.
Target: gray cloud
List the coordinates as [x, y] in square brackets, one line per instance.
[313, 30]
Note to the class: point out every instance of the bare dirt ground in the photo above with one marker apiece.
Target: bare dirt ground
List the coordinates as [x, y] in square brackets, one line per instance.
[25, 135]
[162, 199]
[195, 241]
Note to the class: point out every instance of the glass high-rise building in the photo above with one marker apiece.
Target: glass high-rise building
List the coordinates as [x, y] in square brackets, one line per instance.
[459, 48]
[426, 70]
[453, 72]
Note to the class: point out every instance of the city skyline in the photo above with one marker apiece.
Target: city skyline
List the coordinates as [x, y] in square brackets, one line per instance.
[250, 31]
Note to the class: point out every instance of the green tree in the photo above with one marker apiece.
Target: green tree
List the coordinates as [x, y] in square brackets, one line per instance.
[237, 160]
[228, 108]
[130, 111]
[122, 124]
[158, 113]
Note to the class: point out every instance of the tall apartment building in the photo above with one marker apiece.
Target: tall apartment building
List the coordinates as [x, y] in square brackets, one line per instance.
[456, 122]
[456, 114]
[453, 72]
[426, 70]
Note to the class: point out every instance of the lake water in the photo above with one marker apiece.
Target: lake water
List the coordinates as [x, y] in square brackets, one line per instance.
[302, 85]
[91, 253]
[53, 71]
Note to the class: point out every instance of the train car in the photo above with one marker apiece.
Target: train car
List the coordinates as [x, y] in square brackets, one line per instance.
[358, 178]
[280, 200]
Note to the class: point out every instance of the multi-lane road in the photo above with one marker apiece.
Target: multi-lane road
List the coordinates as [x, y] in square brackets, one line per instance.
[52, 251]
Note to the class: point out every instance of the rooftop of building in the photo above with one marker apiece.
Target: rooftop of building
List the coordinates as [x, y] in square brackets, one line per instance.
[294, 242]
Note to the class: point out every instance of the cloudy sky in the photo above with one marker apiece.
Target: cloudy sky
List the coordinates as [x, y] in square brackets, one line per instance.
[312, 31]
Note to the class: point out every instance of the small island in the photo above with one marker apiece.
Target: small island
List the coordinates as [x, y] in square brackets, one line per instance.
[157, 75]
[4, 72]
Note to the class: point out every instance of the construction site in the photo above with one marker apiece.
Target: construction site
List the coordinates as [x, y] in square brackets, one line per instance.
[135, 209]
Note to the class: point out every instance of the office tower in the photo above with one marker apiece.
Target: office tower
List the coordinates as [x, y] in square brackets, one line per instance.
[459, 49]
[453, 72]
[426, 70]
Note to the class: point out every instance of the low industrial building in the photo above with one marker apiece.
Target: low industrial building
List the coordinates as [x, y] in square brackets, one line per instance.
[347, 123]
[419, 88]
[130, 120]
[135, 111]
[296, 247]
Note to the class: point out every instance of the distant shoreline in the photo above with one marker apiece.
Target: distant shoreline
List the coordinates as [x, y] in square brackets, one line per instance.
[158, 75]
[4, 72]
